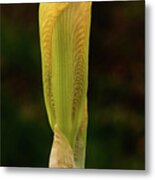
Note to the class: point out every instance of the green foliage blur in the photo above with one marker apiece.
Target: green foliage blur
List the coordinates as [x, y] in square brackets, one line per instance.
[116, 128]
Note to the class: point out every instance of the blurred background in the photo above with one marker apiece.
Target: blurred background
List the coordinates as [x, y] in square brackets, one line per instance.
[116, 129]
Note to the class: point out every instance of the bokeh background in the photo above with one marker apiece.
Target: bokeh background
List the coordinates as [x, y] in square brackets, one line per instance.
[116, 130]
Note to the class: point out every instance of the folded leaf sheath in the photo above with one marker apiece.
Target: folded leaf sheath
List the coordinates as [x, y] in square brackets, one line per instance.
[64, 39]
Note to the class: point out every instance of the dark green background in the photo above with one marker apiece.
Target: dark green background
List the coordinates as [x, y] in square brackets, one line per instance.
[116, 88]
